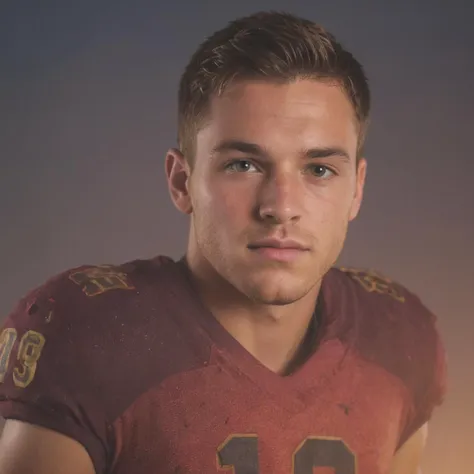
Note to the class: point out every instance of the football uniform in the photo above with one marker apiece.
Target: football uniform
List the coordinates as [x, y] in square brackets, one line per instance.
[127, 361]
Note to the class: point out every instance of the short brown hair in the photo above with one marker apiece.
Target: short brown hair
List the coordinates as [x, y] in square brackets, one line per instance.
[272, 46]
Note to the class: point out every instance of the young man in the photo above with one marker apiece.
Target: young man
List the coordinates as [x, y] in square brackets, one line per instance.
[252, 353]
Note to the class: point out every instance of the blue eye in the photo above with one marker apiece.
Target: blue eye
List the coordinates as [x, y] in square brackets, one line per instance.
[240, 166]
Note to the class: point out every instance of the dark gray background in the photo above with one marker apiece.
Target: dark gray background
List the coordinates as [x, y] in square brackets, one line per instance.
[87, 110]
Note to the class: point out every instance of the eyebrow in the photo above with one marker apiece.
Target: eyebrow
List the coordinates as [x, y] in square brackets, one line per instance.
[254, 149]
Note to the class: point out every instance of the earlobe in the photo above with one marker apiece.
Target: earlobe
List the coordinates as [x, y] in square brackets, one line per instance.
[177, 175]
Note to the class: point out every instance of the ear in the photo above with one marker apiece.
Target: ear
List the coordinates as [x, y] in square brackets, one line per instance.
[359, 192]
[177, 174]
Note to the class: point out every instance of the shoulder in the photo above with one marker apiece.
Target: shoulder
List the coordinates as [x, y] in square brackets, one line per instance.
[88, 281]
[379, 297]
[380, 313]
[86, 287]
[385, 314]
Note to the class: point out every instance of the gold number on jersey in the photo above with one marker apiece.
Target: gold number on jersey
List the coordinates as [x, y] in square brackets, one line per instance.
[7, 339]
[240, 453]
[29, 352]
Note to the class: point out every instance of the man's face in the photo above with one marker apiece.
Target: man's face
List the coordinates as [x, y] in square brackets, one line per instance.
[274, 186]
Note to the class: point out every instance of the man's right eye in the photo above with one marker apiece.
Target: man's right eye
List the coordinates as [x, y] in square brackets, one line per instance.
[241, 166]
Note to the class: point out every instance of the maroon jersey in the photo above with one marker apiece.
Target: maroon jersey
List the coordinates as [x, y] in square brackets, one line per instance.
[127, 361]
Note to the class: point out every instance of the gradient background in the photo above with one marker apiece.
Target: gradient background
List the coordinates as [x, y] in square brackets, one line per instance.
[87, 109]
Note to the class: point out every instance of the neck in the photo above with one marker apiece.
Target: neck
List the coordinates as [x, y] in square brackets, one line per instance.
[272, 334]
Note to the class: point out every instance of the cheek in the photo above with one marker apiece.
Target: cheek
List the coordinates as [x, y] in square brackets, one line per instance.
[328, 217]
[222, 207]
[330, 204]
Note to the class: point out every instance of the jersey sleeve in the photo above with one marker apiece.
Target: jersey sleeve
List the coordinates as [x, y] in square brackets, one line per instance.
[47, 366]
[430, 384]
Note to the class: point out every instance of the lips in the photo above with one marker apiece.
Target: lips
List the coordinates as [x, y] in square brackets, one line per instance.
[282, 250]
[278, 244]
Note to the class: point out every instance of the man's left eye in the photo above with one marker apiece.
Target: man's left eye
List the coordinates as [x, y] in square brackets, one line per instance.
[320, 171]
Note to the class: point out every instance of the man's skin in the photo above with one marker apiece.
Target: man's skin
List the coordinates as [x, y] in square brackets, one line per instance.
[271, 161]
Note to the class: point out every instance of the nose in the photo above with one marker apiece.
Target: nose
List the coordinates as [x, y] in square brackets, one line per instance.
[280, 199]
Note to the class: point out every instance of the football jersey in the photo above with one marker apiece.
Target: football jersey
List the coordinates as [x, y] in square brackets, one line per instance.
[128, 361]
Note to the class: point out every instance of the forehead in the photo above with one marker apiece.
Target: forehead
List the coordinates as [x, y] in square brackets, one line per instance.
[302, 113]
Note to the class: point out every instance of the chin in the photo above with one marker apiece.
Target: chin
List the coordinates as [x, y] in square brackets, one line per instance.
[277, 288]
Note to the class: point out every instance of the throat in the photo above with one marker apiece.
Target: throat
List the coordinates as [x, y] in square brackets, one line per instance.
[288, 362]
[282, 346]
